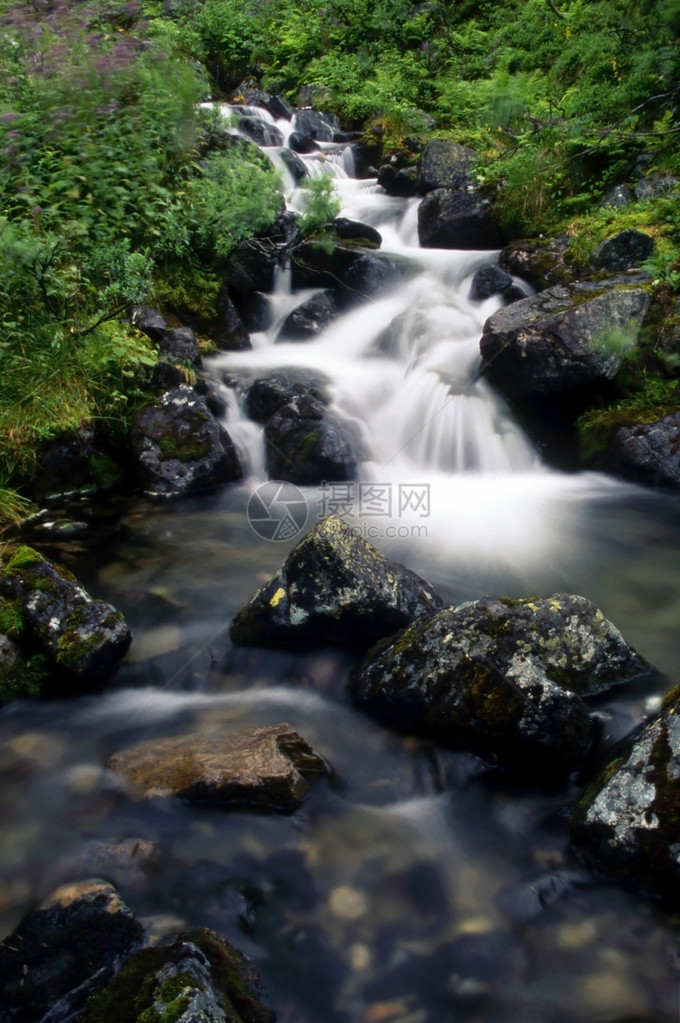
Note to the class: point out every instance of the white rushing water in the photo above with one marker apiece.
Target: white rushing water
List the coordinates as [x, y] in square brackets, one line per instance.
[404, 370]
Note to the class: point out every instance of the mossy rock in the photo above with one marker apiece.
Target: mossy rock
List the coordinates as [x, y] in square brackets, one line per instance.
[198, 977]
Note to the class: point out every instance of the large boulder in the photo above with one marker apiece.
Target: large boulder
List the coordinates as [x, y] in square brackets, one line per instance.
[180, 345]
[565, 338]
[84, 637]
[648, 453]
[65, 950]
[261, 132]
[444, 164]
[316, 125]
[306, 444]
[626, 822]
[354, 272]
[489, 280]
[267, 395]
[450, 219]
[180, 448]
[266, 767]
[438, 680]
[308, 319]
[199, 977]
[334, 588]
[543, 263]
[622, 251]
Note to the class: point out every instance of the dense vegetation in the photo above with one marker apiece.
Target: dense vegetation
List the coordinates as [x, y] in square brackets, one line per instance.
[108, 195]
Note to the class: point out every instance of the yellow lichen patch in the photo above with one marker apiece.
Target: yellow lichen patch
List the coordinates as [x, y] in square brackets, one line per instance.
[555, 605]
[532, 607]
[278, 597]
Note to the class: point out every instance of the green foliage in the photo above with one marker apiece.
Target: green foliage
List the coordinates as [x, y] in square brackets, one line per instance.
[321, 205]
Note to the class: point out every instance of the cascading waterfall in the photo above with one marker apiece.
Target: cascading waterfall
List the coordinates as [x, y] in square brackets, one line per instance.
[404, 369]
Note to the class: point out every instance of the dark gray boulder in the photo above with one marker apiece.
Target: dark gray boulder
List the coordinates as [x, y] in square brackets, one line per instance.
[271, 102]
[424, 681]
[266, 767]
[198, 977]
[316, 125]
[487, 281]
[354, 272]
[66, 949]
[655, 185]
[334, 588]
[267, 395]
[149, 321]
[180, 448]
[626, 822]
[502, 678]
[294, 165]
[261, 132]
[444, 164]
[449, 219]
[648, 453]
[618, 196]
[565, 338]
[251, 266]
[542, 263]
[623, 250]
[180, 345]
[300, 143]
[309, 318]
[398, 182]
[356, 231]
[82, 636]
[305, 444]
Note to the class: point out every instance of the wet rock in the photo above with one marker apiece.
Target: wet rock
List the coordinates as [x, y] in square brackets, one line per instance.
[309, 318]
[255, 311]
[444, 164]
[84, 637]
[200, 976]
[626, 822]
[180, 345]
[648, 453]
[260, 132]
[529, 899]
[294, 165]
[353, 271]
[271, 102]
[623, 250]
[542, 263]
[401, 183]
[265, 767]
[334, 588]
[450, 219]
[489, 280]
[500, 678]
[159, 378]
[268, 394]
[307, 445]
[355, 231]
[300, 143]
[21, 677]
[565, 338]
[66, 949]
[315, 125]
[251, 266]
[210, 391]
[180, 448]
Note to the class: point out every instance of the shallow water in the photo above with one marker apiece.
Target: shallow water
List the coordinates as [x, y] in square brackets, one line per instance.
[412, 886]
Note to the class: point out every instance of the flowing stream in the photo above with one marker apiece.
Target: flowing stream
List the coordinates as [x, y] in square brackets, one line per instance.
[412, 887]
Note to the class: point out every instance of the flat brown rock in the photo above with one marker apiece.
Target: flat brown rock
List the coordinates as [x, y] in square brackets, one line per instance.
[264, 767]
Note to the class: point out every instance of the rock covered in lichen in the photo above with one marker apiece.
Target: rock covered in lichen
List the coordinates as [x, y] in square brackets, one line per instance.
[266, 767]
[334, 588]
[306, 444]
[65, 949]
[433, 679]
[180, 448]
[565, 635]
[568, 337]
[82, 636]
[627, 822]
[197, 977]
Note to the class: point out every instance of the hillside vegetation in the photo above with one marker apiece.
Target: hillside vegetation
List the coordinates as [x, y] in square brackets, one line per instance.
[110, 196]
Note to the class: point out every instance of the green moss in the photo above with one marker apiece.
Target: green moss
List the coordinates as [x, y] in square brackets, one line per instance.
[184, 449]
[72, 646]
[105, 471]
[25, 678]
[132, 995]
[11, 619]
[22, 557]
